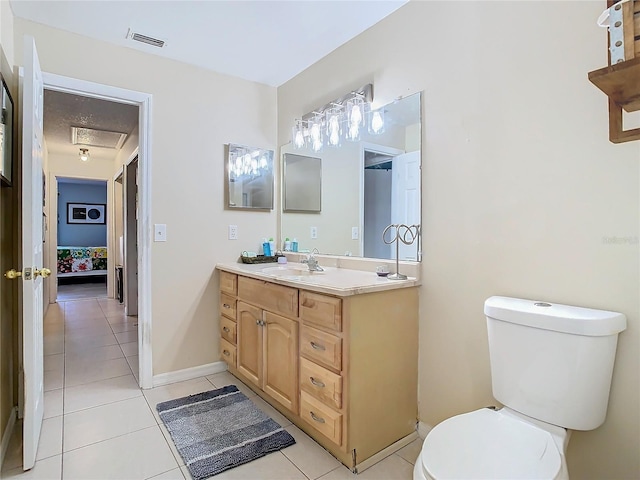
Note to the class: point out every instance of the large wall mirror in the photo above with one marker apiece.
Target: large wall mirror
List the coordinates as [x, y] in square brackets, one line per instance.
[366, 186]
[249, 178]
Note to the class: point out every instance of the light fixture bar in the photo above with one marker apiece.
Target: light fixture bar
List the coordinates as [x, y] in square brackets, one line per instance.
[365, 92]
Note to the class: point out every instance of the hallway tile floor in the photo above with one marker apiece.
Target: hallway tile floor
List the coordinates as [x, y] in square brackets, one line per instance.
[99, 424]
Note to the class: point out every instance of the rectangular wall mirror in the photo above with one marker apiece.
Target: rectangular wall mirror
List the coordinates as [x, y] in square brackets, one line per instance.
[249, 178]
[301, 183]
[366, 185]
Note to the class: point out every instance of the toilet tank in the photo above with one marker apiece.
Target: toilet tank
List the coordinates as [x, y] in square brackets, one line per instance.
[552, 362]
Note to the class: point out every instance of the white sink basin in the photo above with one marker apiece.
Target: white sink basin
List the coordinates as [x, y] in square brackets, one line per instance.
[290, 271]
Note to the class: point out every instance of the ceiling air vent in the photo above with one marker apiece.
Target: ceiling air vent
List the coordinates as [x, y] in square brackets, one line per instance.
[138, 37]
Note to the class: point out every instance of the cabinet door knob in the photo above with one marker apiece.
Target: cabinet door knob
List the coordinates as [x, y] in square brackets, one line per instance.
[316, 418]
[226, 305]
[226, 329]
[226, 352]
[317, 346]
[257, 322]
[317, 383]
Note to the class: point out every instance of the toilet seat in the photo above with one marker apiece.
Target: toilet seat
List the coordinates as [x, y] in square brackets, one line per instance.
[489, 444]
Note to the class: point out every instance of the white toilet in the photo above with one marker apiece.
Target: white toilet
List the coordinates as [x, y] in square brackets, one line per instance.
[551, 368]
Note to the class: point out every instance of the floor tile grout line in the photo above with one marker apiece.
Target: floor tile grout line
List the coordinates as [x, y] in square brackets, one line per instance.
[296, 466]
[109, 439]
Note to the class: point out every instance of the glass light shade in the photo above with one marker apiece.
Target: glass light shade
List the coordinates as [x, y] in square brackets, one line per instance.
[84, 154]
[298, 135]
[376, 122]
[315, 133]
[355, 117]
[333, 120]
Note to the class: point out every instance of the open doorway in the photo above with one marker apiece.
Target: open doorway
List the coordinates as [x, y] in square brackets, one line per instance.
[81, 253]
[133, 144]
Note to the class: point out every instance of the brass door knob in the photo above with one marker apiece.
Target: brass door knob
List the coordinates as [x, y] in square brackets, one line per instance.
[11, 274]
[44, 272]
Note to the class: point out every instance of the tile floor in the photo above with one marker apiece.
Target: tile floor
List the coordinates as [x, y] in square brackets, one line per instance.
[99, 424]
[78, 291]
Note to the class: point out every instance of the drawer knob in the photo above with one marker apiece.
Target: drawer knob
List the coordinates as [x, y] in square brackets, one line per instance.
[317, 346]
[226, 305]
[317, 383]
[226, 329]
[316, 418]
[226, 352]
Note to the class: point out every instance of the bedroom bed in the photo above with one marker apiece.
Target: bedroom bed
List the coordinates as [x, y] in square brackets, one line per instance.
[81, 261]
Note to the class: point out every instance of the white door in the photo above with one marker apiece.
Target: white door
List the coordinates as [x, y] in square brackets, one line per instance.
[405, 199]
[32, 288]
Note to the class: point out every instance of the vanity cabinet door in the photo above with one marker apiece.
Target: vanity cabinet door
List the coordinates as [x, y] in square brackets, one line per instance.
[249, 349]
[280, 345]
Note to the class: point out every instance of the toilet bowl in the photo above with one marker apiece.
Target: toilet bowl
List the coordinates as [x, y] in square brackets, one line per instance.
[493, 444]
[551, 368]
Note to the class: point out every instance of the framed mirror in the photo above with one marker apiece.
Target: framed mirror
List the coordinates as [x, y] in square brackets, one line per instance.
[301, 183]
[6, 136]
[249, 178]
[366, 185]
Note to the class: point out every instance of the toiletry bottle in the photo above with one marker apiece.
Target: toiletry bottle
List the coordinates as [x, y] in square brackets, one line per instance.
[287, 245]
[266, 248]
[272, 247]
[294, 245]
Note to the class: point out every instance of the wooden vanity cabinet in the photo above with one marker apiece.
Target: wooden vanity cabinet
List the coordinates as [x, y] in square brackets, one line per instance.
[267, 349]
[343, 369]
[228, 329]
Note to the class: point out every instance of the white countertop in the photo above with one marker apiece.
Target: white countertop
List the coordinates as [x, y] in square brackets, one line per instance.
[342, 282]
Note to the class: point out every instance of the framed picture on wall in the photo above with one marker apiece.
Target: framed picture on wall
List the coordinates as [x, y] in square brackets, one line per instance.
[6, 136]
[86, 213]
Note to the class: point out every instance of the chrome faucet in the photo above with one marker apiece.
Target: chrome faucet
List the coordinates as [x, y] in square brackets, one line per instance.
[312, 263]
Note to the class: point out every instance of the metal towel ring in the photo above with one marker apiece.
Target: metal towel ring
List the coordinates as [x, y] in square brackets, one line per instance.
[406, 234]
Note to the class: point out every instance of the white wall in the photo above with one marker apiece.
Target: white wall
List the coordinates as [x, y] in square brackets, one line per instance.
[521, 188]
[194, 113]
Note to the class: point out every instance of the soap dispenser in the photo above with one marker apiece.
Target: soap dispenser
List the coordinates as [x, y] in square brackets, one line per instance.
[294, 245]
[266, 247]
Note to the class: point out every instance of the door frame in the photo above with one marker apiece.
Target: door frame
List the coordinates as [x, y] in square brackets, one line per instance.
[143, 102]
[370, 147]
[52, 232]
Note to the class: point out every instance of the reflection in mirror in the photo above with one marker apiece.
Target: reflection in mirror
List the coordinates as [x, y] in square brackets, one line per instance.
[302, 183]
[367, 185]
[249, 177]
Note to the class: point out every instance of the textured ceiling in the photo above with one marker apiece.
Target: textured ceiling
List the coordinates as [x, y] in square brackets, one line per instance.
[63, 111]
[266, 41]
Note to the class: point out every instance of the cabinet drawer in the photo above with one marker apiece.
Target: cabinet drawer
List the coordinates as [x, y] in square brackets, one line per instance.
[321, 418]
[228, 330]
[228, 283]
[319, 382]
[321, 310]
[228, 352]
[270, 296]
[228, 306]
[321, 347]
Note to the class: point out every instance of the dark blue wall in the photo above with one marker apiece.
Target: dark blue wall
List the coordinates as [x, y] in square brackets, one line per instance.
[80, 235]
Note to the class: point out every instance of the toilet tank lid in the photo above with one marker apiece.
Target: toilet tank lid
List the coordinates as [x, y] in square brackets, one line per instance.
[555, 316]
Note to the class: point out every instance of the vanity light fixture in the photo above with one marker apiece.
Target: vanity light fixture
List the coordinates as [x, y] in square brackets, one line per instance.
[342, 118]
[84, 154]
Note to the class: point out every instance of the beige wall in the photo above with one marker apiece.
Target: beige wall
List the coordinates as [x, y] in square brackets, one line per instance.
[194, 113]
[521, 187]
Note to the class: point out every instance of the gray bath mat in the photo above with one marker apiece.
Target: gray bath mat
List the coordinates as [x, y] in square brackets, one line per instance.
[220, 429]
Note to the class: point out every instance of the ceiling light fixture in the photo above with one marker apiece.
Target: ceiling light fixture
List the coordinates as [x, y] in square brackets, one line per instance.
[84, 154]
[344, 117]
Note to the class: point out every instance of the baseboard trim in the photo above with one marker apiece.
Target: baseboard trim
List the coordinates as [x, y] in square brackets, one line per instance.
[382, 454]
[189, 373]
[424, 429]
[8, 431]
